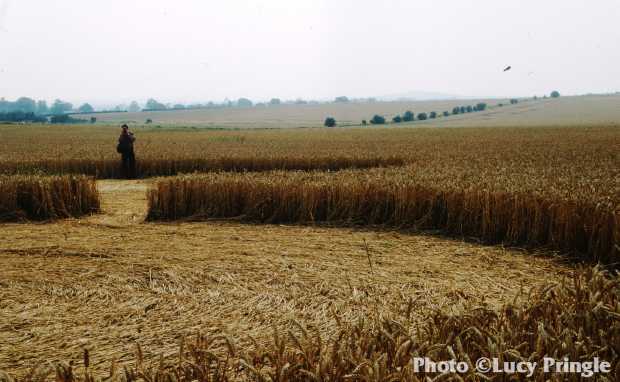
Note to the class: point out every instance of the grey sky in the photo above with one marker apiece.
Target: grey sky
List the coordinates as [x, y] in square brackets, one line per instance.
[199, 50]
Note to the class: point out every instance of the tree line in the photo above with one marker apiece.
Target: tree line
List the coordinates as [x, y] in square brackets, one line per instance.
[410, 116]
[26, 109]
[29, 105]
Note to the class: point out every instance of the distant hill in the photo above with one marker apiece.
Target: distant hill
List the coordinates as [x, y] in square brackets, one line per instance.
[563, 111]
[419, 96]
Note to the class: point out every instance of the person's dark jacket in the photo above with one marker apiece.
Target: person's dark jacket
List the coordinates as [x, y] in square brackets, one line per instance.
[125, 143]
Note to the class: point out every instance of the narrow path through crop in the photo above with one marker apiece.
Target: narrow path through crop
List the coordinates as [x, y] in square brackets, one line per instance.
[123, 202]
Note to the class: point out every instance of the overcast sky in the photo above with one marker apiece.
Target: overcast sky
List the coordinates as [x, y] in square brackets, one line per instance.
[201, 50]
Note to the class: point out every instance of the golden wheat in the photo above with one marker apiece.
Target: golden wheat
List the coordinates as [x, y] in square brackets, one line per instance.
[46, 197]
[529, 153]
[110, 169]
[395, 198]
[578, 319]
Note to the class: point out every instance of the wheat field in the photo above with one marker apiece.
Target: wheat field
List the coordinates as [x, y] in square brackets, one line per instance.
[387, 240]
[47, 197]
[530, 155]
[577, 317]
[394, 198]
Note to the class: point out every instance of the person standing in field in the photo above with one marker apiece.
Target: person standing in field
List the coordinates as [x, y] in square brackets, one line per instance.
[128, 157]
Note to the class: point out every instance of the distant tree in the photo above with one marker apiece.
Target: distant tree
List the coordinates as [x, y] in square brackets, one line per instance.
[555, 94]
[66, 118]
[244, 102]
[364, 122]
[300, 101]
[480, 106]
[329, 122]
[178, 106]
[469, 109]
[422, 117]
[20, 116]
[377, 120]
[60, 118]
[432, 115]
[341, 99]
[42, 107]
[462, 110]
[408, 116]
[120, 108]
[514, 101]
[149, 121]
[86, 108]
[275, 101]
[93, 119]
[397, 119]
[500, 104]
[60, 107]
[456, 110]
[446, 113]
[152, 104]
[4, 105]
[25, 104]
[134, 107]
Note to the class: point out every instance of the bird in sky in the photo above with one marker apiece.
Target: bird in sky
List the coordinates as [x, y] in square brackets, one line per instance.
[507, 68]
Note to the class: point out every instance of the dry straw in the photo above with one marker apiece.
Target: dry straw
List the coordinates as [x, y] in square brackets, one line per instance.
[393, 199]
[578, 318]
[46, 197]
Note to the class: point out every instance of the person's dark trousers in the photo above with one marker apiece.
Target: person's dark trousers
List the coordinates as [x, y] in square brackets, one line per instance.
[128, 166]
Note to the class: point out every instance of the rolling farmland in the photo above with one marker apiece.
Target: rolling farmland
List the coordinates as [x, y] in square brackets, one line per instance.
[309, 191]
[269, 246]
[564, 111]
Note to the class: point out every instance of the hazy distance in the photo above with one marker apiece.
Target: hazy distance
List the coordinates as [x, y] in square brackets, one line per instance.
[194, 50]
